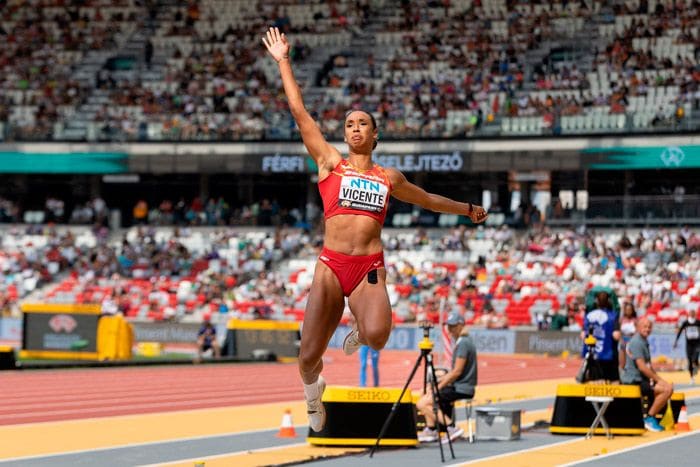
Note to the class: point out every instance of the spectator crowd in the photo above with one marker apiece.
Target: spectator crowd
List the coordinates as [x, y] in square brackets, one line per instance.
[443, 69]
[493, 277]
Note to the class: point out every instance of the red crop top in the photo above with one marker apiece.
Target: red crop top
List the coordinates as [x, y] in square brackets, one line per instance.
[347, 190]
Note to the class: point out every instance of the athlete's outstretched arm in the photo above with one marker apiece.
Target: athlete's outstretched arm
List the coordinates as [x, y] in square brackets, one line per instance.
[680, 331]
[409, 193]
[315, 143]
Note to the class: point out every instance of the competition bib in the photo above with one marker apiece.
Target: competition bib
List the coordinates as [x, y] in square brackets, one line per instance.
[362, 194]
[691, 332]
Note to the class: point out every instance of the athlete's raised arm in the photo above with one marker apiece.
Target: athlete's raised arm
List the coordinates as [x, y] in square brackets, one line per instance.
[323, 153]
[407, 192]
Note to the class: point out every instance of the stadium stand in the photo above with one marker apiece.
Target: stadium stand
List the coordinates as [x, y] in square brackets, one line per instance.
[49, 59]
[170, 274]
[162, 71]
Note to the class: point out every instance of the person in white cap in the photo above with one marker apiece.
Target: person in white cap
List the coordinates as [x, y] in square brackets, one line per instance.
[458, 383]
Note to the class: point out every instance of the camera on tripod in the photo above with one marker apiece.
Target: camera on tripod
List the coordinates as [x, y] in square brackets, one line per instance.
[425, 344]
[590, 367]
[430, 380]
[590, 342]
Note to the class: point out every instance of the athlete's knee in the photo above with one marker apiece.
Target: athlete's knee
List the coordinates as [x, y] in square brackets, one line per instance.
[308, 359]
[376, 336]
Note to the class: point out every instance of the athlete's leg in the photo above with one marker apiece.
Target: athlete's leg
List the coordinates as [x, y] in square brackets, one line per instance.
[323, 312]
[693, 355]
[689, 357]
[370, 305]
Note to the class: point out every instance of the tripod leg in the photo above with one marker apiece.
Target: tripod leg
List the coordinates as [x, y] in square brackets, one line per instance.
[387, 422]
[583, 371]
[425, 378]
[436, 404]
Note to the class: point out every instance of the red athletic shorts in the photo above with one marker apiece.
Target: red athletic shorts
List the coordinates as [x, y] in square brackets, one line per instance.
[350, 269]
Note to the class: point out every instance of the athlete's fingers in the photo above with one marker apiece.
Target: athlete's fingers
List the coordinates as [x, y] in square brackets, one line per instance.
[478, 215]
[270, 38]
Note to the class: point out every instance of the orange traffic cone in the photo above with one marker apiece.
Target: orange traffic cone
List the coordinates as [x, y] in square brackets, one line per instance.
[287, 428]
[682, 424]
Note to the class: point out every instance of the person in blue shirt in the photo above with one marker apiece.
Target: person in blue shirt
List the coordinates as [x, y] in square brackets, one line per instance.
[604, 324]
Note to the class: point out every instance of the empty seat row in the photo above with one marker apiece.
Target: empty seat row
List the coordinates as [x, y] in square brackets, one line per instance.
[593, 121]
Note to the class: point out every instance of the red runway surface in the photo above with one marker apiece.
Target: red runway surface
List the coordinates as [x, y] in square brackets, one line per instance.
[48, 395]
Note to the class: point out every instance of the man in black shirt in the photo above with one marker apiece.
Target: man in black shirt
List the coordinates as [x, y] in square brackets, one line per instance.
[691, 328]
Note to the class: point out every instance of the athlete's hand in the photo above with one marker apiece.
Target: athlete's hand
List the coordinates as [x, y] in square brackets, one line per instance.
[276, 44]
[478, 214]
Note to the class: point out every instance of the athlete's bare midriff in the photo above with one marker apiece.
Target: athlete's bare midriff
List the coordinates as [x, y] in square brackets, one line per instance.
[353, 235]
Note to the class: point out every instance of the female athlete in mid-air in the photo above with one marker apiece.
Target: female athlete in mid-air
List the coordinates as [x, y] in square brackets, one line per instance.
[355, 193]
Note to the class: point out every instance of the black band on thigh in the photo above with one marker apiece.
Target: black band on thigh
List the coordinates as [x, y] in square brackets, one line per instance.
[372, 276]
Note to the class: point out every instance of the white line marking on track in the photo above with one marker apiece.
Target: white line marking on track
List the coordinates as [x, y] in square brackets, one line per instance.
[148, 443]
[482, 459]
[219, 456]
[140, 405]
[631, 448]
[137, 415]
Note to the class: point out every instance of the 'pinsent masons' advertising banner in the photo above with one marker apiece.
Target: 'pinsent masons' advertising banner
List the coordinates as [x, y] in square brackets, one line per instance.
[507, 341]
[408, 337]
[297, 163]
[556, 342]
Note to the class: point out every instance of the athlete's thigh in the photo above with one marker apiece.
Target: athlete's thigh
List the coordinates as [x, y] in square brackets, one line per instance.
[324, 307]
[370, 302]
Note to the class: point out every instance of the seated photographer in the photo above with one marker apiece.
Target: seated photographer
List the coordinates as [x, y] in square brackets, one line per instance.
[206, 339]
[458, 383]
[638, 370]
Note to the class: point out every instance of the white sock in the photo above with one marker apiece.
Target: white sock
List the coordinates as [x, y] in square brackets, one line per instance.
[311, 390]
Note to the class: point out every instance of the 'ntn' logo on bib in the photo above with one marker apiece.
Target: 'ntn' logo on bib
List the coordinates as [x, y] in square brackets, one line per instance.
[360, 193]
